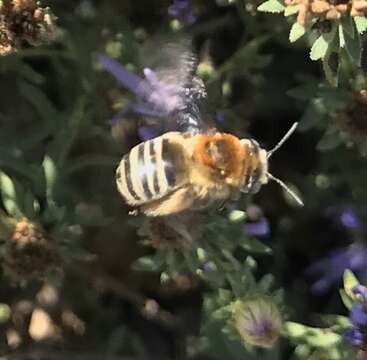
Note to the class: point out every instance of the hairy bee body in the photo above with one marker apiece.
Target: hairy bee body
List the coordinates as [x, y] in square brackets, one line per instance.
[178, 171]
[147, 173]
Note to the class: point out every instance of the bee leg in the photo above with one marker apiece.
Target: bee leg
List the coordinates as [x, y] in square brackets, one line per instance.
[175, 202]
[134, 212]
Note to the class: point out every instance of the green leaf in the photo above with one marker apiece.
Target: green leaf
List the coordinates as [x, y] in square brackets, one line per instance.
[40, 101]
[9, 196]
[30, 205]
[330, 140]
[291, 10]
[353, 47]
[310, 118]
[254, 245]
[330, 65]
[361, 23]
[319, 48]
[347, 301]
[295, 330]
[303, 92]
[341, 36]
[236, 216]
[302, 351]
[296, 32]
[339, 321]
[146, 263]
[5, 312]
[266, 282]
[272, 6]
[16, 164]
[224, 296]
[50, 172]
[323, 339]
[316, 337]
[349, 282]
[348, 26]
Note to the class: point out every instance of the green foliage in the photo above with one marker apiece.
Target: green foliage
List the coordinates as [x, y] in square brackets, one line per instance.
[350, 282]
[296, 32]
[272, 6]
[361, 24]
[58, 156]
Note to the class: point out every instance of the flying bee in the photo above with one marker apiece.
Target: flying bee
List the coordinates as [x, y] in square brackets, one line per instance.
[180, 171]
[192, 165]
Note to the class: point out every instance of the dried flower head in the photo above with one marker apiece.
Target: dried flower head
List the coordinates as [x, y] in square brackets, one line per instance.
[24, 21]
[258, 321]
[327, 9]
[29, 253]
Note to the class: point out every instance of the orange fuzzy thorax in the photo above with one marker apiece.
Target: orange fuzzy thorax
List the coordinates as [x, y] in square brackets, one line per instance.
[223, 154]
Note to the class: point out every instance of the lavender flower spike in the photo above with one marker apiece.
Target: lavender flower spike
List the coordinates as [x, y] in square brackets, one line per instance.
[154, 98]
[358, 315]
[355, 337]
[360, 292]
[123, 76]
[330, 269]
[260, 228]
[350, 219]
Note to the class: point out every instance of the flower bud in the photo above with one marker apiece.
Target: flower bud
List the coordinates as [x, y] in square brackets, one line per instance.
[258, 321]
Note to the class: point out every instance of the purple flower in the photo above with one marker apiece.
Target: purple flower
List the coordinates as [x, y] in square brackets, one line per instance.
[257, 321]
[330, 269]
[350, 220]
[260, 228]
[346, 216]
[358, 315]
[355, 337]
[153, 97]
[219, 117]
[208, 266]
[182, 11]
[360, 292]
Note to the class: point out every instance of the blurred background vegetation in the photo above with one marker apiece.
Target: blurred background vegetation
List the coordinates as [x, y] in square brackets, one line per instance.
[78, 281]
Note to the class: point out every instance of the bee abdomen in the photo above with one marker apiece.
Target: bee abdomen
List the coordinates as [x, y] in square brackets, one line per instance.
[147, 172]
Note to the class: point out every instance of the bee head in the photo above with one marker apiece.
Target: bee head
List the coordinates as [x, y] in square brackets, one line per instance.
[255, 172]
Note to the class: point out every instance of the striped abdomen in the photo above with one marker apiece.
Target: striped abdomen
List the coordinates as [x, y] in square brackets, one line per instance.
[147, 172]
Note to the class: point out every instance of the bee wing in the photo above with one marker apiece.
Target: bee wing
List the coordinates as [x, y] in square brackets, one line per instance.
[174, 91]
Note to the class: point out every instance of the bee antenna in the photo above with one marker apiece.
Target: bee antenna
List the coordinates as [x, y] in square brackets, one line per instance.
[286, 188]
[283, 140]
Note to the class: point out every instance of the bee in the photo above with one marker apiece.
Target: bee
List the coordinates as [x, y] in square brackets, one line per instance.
[177, 171]
[195, 167]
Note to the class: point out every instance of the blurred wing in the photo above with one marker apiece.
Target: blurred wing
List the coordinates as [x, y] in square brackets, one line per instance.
[175, 90]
